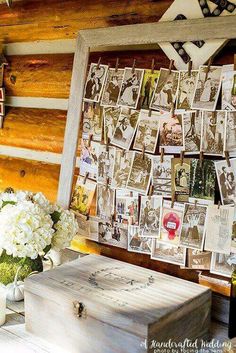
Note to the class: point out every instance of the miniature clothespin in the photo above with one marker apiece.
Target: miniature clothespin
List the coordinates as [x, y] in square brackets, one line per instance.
[227, 158]
[129, 111]
[219, 205]
[131, 193]
[123, 153]
[208, 66]
[173, 200]
[107, 144]
[181, 158]
[150, 113]
[99, 62]
[143, 151]
[153, 66]
[172, 110]
[201, 157]
[195, 204]
[151, 189]
[171, 66]
[190, 65]
[162, 154]
[85, 178]
[113, 218]
[109, 65]
[107, 183]
[90, 139]
[117, 64]
[133, 67]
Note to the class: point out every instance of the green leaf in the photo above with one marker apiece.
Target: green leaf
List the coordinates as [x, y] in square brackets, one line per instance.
[4, 203]
[46, 250]
[55, 216]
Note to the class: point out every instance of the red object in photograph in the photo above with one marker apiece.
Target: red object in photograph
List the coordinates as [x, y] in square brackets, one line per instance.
[171, 223]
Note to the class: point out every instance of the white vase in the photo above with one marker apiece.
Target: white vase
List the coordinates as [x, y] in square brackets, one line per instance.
[3, 304]
[55, 256]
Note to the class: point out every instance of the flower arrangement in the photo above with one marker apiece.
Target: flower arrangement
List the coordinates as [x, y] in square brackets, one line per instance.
[29, 227]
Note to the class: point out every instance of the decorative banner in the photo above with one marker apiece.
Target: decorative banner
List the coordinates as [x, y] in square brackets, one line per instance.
[198, 51]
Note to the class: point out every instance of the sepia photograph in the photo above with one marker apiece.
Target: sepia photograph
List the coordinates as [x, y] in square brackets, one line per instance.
[137, 243]
[213, 132]
[110, 118]
[130, 88]
[219, 229]
[92, 121]
[149, 83]
[165, 91]
[127, 206]
[220, 265]
[140, 172]
[228, 96]
[198, 260]
[194, 226]
[226, 177]
[83, 230]
[230, 133]
[192, 129]
[161, 175]
[95, 82]
[115, 236]
[186, 89]
[180, 178]
[125, 128]
[106, 157]
[171, 133]
[147, 131]
[105, 202]
[202, 181]
[207, 88]
[149, 219]
[112, 87]
[83, 195]
[89, 159]
[168, 253]
[122, 165]
[171, 222]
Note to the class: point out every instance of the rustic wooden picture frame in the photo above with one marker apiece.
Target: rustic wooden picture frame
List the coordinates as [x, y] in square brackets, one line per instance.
[142, 36]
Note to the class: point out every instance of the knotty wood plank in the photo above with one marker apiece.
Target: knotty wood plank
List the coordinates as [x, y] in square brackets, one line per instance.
[37, 19]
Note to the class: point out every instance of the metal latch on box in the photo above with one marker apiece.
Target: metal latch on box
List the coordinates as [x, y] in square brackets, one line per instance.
[79, 309]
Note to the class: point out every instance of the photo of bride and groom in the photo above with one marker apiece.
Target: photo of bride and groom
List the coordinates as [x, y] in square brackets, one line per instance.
[226, 180]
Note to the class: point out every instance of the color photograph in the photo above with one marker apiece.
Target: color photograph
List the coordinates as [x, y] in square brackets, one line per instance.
[149, 83]
[89, 159]
[127, 206]
[83, 195]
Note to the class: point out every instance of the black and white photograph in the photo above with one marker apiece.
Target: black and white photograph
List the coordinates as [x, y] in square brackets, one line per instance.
[95, 82]
[131, 87]
[140, 172]
[220, 265]
[230, 133]
[112, 87]
[207, 88]
[161, 175]
[106, 157]
[228, 87]
[116, 235]
[110, 118]
[147, 131]
[137, 243]
[194, 226]
[180, 173]
[202, 181]
[105, 202]
[226, 177]
[149, 83]
[171, 133]
[122, 165]
[213, 132]
[171, 223]
[125, 128]
[186, 87]
[192, 129]
[165, 91]
[168, 253]
[89, 159]
[92, 121]
[149, 219]
[127, 206]
[198, 260]
[219, 229]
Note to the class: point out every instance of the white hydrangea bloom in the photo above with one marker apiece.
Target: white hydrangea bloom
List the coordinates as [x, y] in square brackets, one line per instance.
[43, 202]
[25, 229]
[66, 229]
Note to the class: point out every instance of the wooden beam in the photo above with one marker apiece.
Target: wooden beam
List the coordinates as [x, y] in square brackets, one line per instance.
[37, 102]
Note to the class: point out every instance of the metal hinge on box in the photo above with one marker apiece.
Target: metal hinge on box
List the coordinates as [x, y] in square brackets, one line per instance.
[79, 309]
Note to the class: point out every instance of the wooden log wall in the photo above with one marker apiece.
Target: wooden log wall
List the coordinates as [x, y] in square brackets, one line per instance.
[37, 82]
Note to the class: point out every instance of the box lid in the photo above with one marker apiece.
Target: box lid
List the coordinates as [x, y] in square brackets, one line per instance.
[117, 293]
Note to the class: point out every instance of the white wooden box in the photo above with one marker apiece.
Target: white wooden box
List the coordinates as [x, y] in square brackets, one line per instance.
[125, 307]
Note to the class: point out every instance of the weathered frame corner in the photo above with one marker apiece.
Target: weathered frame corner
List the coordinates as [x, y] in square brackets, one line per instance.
[119, 38]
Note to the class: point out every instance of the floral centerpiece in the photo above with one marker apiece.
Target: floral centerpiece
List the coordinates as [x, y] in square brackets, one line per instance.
[30, 226]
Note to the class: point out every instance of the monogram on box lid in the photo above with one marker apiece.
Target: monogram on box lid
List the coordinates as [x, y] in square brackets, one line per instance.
[107, 306]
